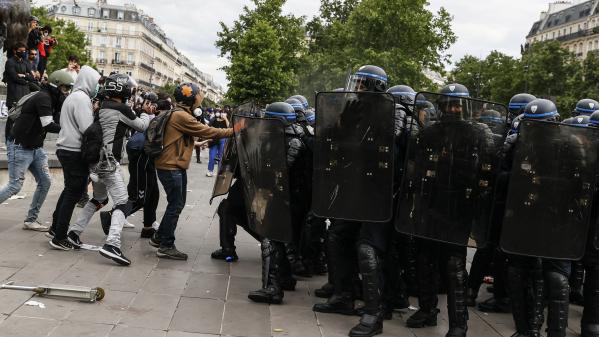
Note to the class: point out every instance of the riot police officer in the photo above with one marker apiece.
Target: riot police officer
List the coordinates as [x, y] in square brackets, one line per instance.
[529, 277]
[452, 105]
[276, 270]
[590, 316]
[585, 107]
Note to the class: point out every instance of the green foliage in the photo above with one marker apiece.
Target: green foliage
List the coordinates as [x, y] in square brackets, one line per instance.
[545, 70]
[71, 41]
[265, 49]
[401, 36]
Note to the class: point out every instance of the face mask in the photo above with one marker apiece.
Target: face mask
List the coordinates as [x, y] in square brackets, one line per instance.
[197, 112]
[22, 55]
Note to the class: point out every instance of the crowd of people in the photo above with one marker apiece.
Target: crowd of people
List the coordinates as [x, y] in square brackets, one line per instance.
[304, 228]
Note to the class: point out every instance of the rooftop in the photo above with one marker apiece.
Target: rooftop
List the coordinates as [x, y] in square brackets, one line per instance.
[566, 13]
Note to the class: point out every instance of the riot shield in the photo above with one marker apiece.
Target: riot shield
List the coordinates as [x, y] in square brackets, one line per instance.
[353, 156]
[552, 184]
[226, 170]
[446, 192]
[260, 145]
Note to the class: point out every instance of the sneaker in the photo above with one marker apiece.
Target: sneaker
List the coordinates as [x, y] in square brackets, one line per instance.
[61, 244]
[35, 226]
[74, 240]
[105, 219]
[155, 241]
[127, 224]
[115, 254]
[228, 255]
[81, 203]
[50, 233]
[171, 253]
[209, 174]
[147, 232]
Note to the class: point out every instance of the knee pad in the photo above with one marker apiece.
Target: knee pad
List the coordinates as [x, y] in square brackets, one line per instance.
[99, 204]
[455, 264]
[267, 248]
[125, 208]
[367, 258]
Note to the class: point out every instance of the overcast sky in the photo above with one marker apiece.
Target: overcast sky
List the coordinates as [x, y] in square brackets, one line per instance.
[481, 26]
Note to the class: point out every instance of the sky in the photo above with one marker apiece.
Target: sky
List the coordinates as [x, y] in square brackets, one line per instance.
[480, 26]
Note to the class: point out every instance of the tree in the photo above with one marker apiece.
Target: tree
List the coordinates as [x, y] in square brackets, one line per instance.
[265, 50]
[401, 36]
[71, 41]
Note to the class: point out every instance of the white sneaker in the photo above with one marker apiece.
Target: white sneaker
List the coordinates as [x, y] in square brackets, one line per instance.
[127, 224]
[35, 226]
[209, 174]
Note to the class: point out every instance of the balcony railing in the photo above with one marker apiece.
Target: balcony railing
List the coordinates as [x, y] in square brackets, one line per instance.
[101, 61]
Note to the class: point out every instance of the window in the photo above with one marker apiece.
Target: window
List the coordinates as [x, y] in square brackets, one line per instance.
[103, 28]
[63, 9]
[590, 46]
[119, 29]
[120, 15]
[596, 44]
[118, 42]
[130, 58]
[564, 31]
[76, 10]
[101, 55]
[105, 13]
[553, 35]
[117, 57]
[104, 41]
[91, 12]
[132, 29]
[90, 26]
[570, 30]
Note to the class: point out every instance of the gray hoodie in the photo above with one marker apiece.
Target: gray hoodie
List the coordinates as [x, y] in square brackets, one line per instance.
[77, 112]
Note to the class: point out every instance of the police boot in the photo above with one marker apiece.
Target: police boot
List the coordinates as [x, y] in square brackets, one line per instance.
[517, 278]
[536, 301]
[471, 295]
[590, 315]
[558, 291]
[427, 294]
[271, 290]
[325, 291]
[576, 280]
[337, 304]
[371, 322]
[457, 310]
[227, 229]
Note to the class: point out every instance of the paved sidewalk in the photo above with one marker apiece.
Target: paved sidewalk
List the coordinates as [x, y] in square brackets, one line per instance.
[157, 298]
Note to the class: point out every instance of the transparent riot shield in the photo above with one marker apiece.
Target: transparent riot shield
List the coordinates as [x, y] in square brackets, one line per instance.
[226, 170]
[446, 192]
[260, 144]
[353, 156]
[551, 190]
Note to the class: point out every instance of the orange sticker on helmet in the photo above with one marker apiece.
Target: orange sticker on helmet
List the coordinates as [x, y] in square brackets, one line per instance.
[186, 90]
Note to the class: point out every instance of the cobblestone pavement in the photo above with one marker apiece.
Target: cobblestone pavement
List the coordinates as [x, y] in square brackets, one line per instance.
[157, 298]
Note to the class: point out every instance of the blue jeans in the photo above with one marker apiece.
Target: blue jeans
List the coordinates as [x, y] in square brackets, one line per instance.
[175, 186]
[216, 153]
[19, 161]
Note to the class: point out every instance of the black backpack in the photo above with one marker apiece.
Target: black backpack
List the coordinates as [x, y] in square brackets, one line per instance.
[92, 142]
[154, 143]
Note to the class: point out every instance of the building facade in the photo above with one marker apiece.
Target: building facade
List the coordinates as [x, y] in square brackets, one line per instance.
[125, 40]
[574, 25]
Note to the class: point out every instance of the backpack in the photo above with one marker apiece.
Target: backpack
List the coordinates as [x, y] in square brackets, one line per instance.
[92, 142]
[15, 111]
[154, 144]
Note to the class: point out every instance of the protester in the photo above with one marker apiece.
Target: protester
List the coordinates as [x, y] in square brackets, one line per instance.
[76, 116]
[25, 140]
[173, 162]
[219, 121]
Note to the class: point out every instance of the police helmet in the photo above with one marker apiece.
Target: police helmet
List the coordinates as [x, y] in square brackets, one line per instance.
[303, 100]
[150, 96]
[581, 121]
[368, 78]
[585, 107]
[281, 110]
[541, 109]
[297, 105]
[403, 94]
[518, 103]
[594, 119]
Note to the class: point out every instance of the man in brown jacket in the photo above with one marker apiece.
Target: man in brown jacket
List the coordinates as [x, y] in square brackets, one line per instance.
[172, 164]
